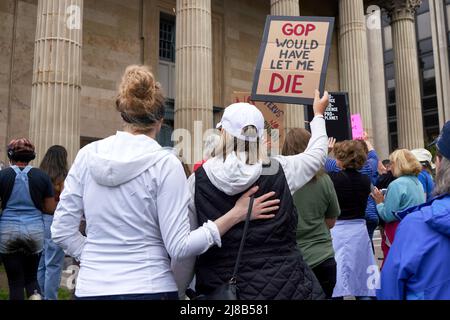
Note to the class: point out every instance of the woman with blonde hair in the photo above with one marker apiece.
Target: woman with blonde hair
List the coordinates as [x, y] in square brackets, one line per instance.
[272, 266]
[135, 198]
[351, 242]
[405, 192]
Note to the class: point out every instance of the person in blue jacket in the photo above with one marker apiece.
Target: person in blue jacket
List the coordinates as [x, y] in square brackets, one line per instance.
[417, 267]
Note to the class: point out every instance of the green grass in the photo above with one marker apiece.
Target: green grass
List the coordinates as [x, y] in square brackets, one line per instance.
[4, 294]
[64, 294]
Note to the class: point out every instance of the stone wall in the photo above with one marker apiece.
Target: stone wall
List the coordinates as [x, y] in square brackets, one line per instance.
[243, 29]
[15, 93]
[6, 25]
[110, 43]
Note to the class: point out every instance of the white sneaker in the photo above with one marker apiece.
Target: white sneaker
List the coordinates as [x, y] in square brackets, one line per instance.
[35, 296]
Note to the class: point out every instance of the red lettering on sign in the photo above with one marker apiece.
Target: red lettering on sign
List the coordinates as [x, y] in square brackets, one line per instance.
[297, 83]
[275, 77]
[299, 29]
[290, 84]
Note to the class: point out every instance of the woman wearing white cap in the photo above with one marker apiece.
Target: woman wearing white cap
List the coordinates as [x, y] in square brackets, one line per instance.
[425, 158]
[271, 266]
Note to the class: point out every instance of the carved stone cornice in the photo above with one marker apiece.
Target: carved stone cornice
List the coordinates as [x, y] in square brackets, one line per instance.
[400, 9]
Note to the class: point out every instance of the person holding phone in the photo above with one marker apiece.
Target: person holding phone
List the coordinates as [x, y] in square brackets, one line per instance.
[406, 191]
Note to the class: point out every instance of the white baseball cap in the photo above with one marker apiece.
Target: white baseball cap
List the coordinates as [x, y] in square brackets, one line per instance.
[423, 155]
[240, 115]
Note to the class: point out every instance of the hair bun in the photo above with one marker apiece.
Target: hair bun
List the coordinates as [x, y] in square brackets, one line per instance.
[140, 96]
[139, 83]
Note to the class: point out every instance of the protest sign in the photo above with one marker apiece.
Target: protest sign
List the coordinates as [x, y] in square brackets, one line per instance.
[293, 59]
[337, 117]
[273, 116]
[357, 127]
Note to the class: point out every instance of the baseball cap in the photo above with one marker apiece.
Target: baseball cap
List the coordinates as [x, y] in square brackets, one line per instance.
[238, 116]
[423, 155]
[443, 141]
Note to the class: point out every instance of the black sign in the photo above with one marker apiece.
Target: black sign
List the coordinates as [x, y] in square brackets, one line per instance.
[337, 117]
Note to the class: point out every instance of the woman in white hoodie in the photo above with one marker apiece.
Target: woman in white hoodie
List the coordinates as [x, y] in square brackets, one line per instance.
[272, 266]
[135, 198]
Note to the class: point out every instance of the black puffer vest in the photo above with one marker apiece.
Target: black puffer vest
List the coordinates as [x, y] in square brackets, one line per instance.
[272, 266]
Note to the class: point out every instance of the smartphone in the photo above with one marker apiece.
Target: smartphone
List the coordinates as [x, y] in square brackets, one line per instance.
[383, 191]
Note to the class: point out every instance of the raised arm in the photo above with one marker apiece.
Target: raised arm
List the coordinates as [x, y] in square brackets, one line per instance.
[301, 168]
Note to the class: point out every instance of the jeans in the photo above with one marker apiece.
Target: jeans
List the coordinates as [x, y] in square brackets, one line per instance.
[51, 264]
[326, 274]
[21, 237]
[154, 296]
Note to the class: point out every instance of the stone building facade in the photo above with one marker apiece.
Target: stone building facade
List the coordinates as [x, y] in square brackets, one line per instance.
[61, 62]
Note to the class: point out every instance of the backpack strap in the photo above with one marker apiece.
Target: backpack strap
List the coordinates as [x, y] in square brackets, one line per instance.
[244, 234]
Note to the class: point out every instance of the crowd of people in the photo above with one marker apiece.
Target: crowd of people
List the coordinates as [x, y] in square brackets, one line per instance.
[154, 231]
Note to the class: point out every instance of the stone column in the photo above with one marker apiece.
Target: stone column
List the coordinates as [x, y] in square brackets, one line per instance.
[194, 94]
[407, 80]
[441, 61]
[353, 59]
[295, 114]
[56, 88]
[377, 85]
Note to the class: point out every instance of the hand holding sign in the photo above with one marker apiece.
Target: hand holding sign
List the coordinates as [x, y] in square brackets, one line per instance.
[293, 59]
[357, 127]
[320, 104]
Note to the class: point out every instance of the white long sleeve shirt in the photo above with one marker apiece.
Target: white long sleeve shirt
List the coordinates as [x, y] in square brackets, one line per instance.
[135, 198]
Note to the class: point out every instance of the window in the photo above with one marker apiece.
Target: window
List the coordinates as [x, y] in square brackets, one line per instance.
[423, 26]
[84, 141]
[426, 61]
[167, 38]
[391, 99]
[165, 135]
[425, 46]
[448, 17]
[390, 71]
[387, 38]
[424, 7]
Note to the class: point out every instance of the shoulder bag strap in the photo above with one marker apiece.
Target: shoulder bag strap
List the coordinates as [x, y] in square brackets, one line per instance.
[244, 234]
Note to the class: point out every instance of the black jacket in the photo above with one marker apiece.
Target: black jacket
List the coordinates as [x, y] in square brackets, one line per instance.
[272, 266]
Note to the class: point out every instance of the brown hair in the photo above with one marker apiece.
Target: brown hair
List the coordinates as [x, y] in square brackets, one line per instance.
[140, 100]
[364, 146]
[404, 163]
[351, 154]
[55, 164]
[296, 142]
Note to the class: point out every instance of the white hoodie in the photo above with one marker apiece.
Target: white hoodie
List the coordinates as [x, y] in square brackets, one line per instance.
[134, 196]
